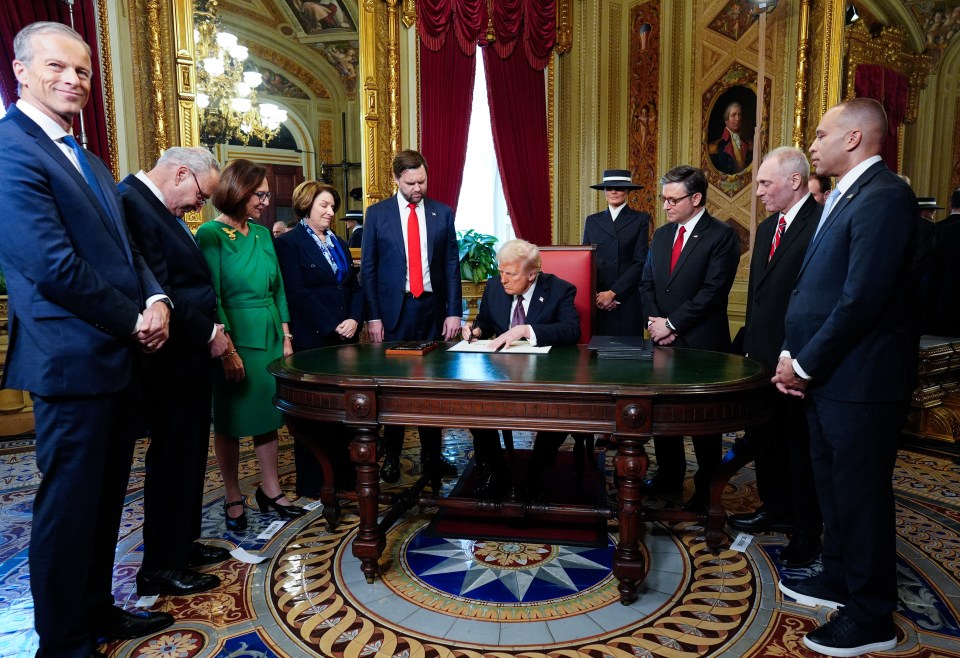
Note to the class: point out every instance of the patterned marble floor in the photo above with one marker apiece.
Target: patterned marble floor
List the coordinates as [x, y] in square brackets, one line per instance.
[491, 599]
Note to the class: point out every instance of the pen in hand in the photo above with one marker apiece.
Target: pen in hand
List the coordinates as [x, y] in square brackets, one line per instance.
[470, 337]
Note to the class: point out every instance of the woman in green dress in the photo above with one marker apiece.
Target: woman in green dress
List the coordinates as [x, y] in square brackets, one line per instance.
[253, 309]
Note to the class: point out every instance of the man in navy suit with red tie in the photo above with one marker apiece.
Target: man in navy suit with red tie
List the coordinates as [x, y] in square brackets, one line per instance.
[850, 351]
[410, 272]
[83, 306]
[686, 279]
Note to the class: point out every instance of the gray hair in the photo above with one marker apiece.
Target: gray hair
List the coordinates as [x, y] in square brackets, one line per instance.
[726, 112]
[791, 161]
[514, 251]
[199, 160]
[23, 42]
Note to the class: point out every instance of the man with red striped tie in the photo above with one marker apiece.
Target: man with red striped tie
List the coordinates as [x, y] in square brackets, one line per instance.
[689, 270]
[781, 446]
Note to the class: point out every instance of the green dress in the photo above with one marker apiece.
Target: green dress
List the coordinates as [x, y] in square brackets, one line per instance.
[251, 304]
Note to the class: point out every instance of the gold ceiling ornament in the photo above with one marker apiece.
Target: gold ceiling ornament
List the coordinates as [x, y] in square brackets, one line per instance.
[890, 49]
[226, 93]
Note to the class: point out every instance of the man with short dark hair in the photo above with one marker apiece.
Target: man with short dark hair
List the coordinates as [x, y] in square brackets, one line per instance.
[689, 271]
[850, 351]
[155, 202]
[410, 273]
[83, 305]
[781, 446]
[819, 187]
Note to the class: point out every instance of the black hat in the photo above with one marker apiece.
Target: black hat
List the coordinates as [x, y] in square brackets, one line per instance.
[928, 203]
[356, 193]
[617, 179]
[355, 215]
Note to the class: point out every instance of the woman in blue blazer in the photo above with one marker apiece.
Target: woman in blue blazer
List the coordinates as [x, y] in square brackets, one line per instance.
[323, 295]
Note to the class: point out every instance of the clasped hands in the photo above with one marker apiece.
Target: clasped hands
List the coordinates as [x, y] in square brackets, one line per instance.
[154, 327]
[660, 332]
[787, 380]
[606, 300]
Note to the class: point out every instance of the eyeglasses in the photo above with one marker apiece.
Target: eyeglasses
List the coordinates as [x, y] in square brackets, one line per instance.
[670, 201]
[201, 197]
[263, 196]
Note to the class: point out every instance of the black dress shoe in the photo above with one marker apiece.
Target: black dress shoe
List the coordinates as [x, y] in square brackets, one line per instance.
[176, 582]
[447, 468]
[236, 524]
[662, 483]
[267, 503]
[390, 471]
[761, 521]
[118, 624]
[203, 555]
[802, 551]
[493, 487]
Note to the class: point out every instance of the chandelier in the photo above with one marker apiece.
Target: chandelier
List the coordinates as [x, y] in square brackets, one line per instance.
[226, 93]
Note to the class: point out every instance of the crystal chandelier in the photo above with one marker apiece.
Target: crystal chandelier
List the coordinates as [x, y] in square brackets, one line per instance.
[226, 96]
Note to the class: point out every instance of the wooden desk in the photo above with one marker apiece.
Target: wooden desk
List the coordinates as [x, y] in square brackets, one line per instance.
[679, 392]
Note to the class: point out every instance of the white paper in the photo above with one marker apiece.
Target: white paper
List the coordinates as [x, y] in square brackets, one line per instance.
[146, 601]
[516, 347]
[247, 558]
[741, 543]
[271, 530]
[314, 505]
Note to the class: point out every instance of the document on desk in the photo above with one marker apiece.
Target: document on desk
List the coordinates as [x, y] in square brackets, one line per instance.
[516, 347]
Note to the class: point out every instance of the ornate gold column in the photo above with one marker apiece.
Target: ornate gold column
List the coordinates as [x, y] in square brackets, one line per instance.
[803, 60]
[186, 74]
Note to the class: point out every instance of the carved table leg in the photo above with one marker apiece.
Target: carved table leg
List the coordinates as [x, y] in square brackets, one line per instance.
[370, 540]
[628, 565]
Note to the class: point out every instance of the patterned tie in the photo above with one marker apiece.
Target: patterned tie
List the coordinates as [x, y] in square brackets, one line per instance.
[781, 227]
[413, 251]
[827, 207]
[677, 248]
[519, 317]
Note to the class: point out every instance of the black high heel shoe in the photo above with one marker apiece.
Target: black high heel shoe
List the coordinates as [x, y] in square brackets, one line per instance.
[285, 511]
[238, 524]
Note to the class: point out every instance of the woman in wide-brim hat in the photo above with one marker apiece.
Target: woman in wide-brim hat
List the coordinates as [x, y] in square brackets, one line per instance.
[621, 235]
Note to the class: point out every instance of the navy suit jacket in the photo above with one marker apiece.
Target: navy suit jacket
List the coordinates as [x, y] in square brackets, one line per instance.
[318, 303]
[383, 268]
[179, 266]
[848, 321]
[771, 281]
[552, 314]
[621, 254]
[75, 287]
[694, 296]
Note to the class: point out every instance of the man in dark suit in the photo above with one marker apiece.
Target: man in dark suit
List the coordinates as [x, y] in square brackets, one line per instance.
[154, 203]
[410, 273]
[850, 351]
[83, 304]
[944, 311]
[621, 236]
[522, 304]
[688, 274]
[781, 446]
[354, 220]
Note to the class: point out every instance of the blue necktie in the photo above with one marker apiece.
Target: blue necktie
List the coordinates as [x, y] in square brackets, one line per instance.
[827, 207]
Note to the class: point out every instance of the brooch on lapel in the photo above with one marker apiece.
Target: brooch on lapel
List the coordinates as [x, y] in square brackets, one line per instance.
[433, 214]
[231, 233]
[541, 299]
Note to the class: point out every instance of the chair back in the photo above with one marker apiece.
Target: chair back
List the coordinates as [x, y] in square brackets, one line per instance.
[576, 264]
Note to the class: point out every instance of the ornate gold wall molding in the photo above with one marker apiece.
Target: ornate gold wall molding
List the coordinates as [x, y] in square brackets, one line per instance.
[551, 132]
[824, 77]
[287, 65]
[891, 50]
[803, 63]
[188, 122]
[564, 27]
[380, 93]
[103, 42]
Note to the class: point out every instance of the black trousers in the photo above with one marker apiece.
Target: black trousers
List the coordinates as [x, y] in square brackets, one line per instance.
[672, 463]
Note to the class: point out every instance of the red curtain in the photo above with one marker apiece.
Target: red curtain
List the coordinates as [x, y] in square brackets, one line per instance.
[516, 94]
[446, 97]
[16, 14]
[892, 90]
[518, 112]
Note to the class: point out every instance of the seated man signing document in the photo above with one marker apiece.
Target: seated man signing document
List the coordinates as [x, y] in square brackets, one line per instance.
[524, 303]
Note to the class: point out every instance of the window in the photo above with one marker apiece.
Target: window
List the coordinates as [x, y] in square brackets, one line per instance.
[482, 205]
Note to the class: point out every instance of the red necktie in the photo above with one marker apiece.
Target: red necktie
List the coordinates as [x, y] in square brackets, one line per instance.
[677, 248]
[781, 227]
[413, 251]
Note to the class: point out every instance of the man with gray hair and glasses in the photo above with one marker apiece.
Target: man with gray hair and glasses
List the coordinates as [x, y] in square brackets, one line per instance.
[155, 203]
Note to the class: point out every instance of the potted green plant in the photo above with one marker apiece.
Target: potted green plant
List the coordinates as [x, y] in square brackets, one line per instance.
[478, 262]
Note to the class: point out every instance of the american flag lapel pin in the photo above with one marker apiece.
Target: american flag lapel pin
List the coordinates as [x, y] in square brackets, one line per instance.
[541, 299]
